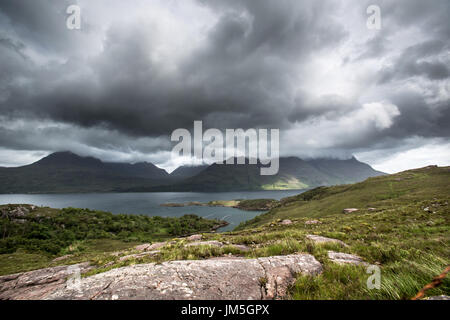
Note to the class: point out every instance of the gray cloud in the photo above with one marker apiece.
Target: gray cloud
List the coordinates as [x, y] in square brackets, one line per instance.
[125, 77]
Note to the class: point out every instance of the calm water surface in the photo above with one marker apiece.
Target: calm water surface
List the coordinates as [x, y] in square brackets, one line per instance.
[150, 203]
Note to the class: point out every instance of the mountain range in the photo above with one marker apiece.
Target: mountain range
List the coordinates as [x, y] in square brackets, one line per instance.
[66, 172]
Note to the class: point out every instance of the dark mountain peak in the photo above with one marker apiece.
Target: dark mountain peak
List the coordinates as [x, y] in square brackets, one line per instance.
[143, 165]
[67, 158]
[188, 171]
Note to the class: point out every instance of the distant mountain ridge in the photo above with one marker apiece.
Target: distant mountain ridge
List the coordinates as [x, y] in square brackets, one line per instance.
[66, 172]
[294, 173]
[62, 172]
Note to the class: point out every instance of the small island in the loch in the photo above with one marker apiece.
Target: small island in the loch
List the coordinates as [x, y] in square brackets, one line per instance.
[248, 205]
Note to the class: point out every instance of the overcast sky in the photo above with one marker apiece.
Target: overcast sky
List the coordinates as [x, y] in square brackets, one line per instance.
[137, 70]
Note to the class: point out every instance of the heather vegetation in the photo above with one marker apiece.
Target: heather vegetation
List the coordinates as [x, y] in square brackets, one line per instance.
[50, 232]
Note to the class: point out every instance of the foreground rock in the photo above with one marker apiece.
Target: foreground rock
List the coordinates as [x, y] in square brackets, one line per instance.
[224, 278]
[312, 222]
[195, 237]
[38, 284]
[212, 243]
[345, 258]
[321, 240]
[350, 210]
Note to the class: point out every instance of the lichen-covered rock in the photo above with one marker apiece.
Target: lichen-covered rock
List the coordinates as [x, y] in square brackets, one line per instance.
[38, 284]
[321, 240]
[227, 278]
[346, 258]
[224, 278]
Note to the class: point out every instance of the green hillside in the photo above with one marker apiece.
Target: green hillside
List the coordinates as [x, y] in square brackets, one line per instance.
[383, 192]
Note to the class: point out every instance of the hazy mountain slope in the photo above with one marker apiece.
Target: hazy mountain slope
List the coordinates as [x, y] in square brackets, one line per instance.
[67, 172]
[347, 171]
[294, 173]
[187, 171]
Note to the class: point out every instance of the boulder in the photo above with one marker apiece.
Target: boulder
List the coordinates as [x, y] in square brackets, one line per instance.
[321, 240]
[312, 222]
[346, 258]
[195, 237]
[212, 243]
[350, 210]
[226, 278]
[38, 284]
[286, 222]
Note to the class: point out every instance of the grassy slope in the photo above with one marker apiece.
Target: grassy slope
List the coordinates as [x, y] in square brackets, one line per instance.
[410, 245]
[382, 192]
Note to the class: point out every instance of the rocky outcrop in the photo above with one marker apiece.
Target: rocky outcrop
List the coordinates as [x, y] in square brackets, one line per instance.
[346, 258]
[150, 247]
[321, 240]
[195, 237]
[38, 284]
[212, 243]
[16, 213]
[223, 278]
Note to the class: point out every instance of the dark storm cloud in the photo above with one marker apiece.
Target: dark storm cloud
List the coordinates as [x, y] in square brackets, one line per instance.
[409, 64]
[244, 69]
[251, 69]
